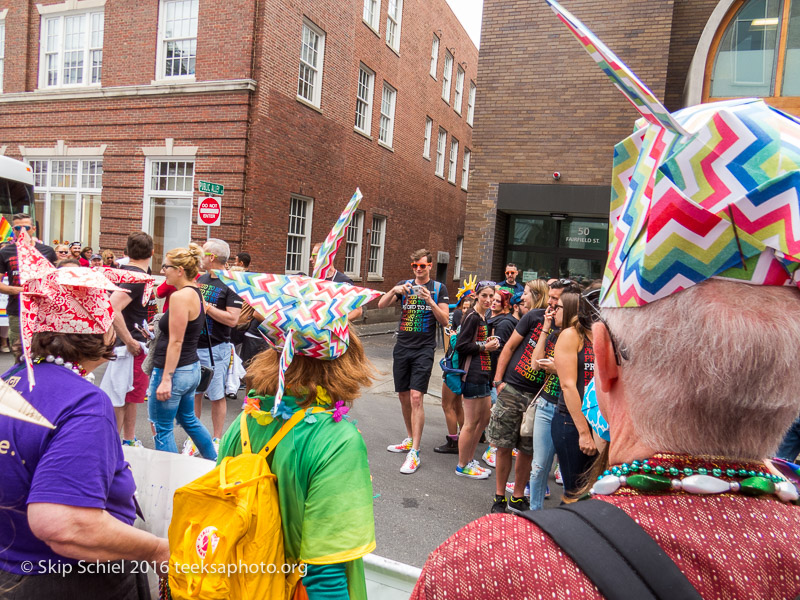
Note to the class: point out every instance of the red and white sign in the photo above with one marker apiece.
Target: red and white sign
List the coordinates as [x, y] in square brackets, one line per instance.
[209, 211]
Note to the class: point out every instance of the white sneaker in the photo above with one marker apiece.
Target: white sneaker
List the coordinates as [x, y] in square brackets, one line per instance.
[215, 441]
[411, 464]
[189, 448]
[490, 456]
[473, 470]
[403, 446]
[558, 478]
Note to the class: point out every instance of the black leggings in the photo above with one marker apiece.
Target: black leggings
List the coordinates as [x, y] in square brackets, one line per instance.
[574, 463]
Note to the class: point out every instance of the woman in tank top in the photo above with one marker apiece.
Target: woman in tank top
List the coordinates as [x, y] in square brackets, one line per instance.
[574, 361]
[176, 371]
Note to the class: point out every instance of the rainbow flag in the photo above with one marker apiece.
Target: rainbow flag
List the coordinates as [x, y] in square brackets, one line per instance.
[5, 230]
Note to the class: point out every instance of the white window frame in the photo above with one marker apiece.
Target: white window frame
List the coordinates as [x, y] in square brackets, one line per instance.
[58, 19]
[372, 14]
[181, 195]
[376, 274]
[441, 145]
[305, 236]
[386, 127]
[447, 76]
[434, 55]
[457, 261]
[451, 171]
[316, 85]
[426, 146]
[364, 100]
[471, 103]
[161, 51]
[2, 47]
[44, 184]
[465, 168]
[458, 100]
[393, 24]
[352, 245]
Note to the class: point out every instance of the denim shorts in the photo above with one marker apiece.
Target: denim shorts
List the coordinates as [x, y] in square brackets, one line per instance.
[222, 359]
[476, 390]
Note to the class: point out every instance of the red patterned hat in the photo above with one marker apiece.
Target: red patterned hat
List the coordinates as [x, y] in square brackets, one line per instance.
[68, 300]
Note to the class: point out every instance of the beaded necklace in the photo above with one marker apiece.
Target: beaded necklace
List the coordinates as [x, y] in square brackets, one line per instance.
[74, 367]
[694, 475]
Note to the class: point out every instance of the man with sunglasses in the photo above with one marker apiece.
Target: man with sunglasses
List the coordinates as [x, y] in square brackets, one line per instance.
[511, 284]
[8, 266]
[424, 302]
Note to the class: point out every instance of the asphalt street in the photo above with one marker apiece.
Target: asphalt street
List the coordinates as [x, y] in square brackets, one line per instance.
[413, 513]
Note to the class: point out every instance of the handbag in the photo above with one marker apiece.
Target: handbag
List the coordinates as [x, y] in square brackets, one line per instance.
[206, 373]
[526, 428]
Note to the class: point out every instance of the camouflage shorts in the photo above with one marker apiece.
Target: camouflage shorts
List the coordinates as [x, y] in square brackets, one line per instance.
[507, 414]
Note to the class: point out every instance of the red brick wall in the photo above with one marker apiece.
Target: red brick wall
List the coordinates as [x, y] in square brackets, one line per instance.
[545, 106]
[299, 150]
[263, 146]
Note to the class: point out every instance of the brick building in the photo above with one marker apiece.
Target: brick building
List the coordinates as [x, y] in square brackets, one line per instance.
[121, 108]
[545, 107]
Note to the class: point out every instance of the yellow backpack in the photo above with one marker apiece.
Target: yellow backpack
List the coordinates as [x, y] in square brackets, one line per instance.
[225, 535]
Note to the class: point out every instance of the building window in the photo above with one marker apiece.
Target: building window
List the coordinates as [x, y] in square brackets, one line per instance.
[71, 49]
[752, 48]
[459, 251]
[471, 103]
[435, 56]
[2, 50]
[440, 145]
[465, 169]
[372, 12]
[451, 172]
[167, 212]
[298, 241]
[447, 75]
[426, 146]
[376, 239]
[67, 198]
[459, 90]
[393, 19]
[366, 80]
[386, 133]
[312, 51]
[178, 33]
[352, 246]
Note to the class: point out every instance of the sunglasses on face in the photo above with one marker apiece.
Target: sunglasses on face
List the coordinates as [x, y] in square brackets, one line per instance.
[62, 251]
[19, 228]
[420, 265]
[165, 266]
[511, 272]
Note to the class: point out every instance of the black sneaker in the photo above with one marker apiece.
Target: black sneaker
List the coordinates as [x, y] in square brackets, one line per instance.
[518, 505]
[499, 505]
[449, 447]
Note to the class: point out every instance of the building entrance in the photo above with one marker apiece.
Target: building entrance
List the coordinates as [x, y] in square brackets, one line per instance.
[562, 247]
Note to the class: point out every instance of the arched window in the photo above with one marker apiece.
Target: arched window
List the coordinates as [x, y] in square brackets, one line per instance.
[756, 52]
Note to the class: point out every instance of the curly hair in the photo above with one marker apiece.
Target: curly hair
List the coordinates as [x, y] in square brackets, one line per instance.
[342, 377]
[188, 258]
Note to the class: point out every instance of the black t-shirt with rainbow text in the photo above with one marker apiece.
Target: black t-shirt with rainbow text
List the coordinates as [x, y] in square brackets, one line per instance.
[417, 323]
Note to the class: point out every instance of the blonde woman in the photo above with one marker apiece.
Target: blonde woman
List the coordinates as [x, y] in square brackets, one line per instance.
[177, 367]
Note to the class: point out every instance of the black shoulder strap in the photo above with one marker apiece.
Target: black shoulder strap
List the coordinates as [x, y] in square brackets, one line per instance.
[620, 558]
[206, 327]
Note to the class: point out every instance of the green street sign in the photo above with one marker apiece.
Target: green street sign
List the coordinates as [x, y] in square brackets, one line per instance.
[214, 189]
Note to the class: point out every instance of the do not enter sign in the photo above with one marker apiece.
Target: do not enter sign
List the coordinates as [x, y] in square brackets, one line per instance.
[209, 211]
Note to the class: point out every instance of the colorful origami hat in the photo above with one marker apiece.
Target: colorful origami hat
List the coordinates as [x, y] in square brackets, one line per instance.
[305, 315]
[68, 300]
[707, 191]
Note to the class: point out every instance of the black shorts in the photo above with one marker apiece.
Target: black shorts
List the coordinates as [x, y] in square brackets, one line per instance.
[412, 368]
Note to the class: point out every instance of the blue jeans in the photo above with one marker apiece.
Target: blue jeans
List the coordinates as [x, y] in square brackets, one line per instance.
[180, 406]
[543, 452]
[790, 446]
[574, 463]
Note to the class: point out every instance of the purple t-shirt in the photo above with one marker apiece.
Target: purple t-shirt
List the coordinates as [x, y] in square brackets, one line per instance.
[79, 463]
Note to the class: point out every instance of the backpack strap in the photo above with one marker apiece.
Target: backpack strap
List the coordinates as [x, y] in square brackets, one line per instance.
[265, 451]
[614, 552]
